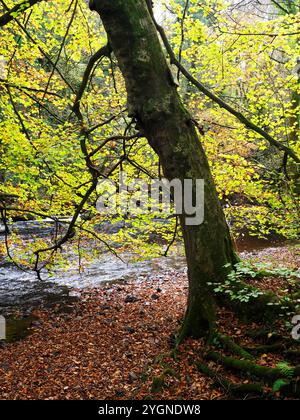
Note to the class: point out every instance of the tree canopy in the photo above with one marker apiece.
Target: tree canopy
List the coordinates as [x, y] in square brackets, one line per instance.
[64, 119]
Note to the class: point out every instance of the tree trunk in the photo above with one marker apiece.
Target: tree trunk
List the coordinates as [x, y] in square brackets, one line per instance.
[155, 104]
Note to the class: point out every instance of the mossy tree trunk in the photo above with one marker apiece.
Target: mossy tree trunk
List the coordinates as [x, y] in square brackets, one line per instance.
[155, 104]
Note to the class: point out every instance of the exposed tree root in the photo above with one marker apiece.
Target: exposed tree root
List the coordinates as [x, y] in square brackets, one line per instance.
[292, 353]
[266, 334]
[283, 379]
[274, 348]
[234, 348]
[267, 373]
[230, 387]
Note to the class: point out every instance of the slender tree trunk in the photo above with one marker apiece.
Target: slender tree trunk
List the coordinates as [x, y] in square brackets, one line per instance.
[154, 102]
[295, 98]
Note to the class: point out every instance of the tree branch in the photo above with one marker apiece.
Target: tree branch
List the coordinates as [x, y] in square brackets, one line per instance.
[41, 50]
[61, 46]
[280, 6]
[31, 89]
[103, 52]
[185, 12]
[241, 117]
[16, 11]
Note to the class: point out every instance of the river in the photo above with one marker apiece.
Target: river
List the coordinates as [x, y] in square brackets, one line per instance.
[23, 290]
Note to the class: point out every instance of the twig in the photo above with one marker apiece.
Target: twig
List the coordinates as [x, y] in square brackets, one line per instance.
[12, 13]
[244, 120]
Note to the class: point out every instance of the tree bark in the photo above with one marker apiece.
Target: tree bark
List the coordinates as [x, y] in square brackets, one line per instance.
[154, 102]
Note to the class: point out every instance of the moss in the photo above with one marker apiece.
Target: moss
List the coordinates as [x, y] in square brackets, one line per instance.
[267, 373]
[158, 384]
[171, 372]
[230, 387]
[233, 347]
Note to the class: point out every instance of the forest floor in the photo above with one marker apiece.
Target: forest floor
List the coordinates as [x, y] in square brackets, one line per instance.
[115, 343]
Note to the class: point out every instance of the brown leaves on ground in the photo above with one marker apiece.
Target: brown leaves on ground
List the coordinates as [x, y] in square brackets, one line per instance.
[283, 256]
[114, 343]
[101, 349]
[110, 344]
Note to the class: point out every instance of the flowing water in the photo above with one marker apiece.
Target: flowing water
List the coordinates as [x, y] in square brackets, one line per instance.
[23, 291]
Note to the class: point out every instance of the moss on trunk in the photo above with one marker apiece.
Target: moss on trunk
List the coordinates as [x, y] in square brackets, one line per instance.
[154, 102]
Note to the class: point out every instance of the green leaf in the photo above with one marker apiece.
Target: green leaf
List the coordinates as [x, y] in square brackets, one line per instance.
[285, 369]
[279, 384]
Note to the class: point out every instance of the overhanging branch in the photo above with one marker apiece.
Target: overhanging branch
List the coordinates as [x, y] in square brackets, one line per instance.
[207, 92]
[102, 52]
[16, 11]
[277, 4]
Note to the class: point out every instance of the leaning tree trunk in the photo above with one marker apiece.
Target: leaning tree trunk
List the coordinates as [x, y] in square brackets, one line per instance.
[155, 104]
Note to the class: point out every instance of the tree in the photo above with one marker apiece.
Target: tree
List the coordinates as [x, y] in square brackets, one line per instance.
[67, 145]
[61, 134]
[154, 103]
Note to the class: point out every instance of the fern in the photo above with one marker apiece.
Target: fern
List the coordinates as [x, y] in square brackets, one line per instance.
[285, 369]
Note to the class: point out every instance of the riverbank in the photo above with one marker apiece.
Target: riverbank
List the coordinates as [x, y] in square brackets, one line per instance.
[114, 342]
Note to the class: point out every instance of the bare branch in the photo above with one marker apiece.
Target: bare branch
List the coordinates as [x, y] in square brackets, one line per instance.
[41, 50]
[185, 12]
[61, 46]
[241, 117]
[114, 138]
[30, 89]
[16, 11]
[277, 4]
[103, 52]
